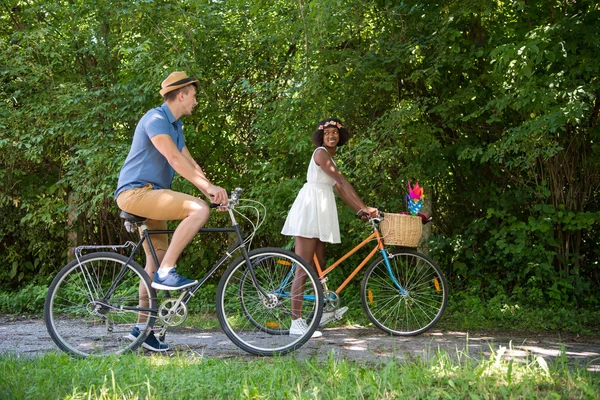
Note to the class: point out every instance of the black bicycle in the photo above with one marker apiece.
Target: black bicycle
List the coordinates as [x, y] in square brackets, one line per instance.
[94, 301]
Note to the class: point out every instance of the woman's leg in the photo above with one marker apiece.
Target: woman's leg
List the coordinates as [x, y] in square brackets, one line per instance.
[305, 248]
[320, 252]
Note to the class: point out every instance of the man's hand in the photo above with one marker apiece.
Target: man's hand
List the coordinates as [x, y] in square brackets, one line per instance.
[217, 195]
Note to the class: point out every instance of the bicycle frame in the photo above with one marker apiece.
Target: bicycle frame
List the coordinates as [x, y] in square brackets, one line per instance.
[239, 244]
[380, 246]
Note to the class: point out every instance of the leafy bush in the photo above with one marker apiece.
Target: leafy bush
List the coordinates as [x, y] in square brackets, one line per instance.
[492, 106]
[29, 299]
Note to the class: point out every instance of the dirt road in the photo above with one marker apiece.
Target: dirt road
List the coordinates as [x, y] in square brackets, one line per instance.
[28, 337]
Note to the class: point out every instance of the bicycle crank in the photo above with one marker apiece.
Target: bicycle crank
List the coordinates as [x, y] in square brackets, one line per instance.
[172, 312]
[332, 301]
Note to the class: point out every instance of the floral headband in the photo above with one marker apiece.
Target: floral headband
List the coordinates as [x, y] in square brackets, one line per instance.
[331, 123]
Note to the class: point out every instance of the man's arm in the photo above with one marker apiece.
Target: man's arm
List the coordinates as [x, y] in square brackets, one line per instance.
[188, 155]
[188, 168]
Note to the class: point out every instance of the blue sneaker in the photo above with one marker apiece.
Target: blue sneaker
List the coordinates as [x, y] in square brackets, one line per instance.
[173, 281]
[151, 343]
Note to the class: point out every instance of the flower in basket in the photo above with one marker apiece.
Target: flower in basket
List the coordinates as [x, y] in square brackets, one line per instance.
[414, 198]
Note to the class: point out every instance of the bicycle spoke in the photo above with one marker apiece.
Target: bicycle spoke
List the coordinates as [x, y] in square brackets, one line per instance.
[414, 308]
[257, 316]
[81, 321]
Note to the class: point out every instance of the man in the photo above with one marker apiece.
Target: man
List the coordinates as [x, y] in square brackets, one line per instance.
[157, 151]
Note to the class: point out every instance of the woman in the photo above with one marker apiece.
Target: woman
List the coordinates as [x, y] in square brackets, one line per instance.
[313, 219]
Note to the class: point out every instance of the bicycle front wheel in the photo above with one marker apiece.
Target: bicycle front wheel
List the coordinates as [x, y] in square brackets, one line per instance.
[84, 319]
[409, 297]
[256, 315]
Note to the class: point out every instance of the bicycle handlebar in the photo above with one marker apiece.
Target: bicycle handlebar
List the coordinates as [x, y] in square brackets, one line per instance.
[425, 218]
[234, 196]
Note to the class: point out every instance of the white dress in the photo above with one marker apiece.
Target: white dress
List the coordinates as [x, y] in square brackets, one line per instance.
[314, 212]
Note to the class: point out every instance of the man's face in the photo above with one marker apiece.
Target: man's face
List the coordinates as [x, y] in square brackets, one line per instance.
[188, 100]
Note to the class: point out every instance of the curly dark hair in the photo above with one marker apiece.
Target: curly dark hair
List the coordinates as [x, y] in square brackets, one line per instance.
[317, 136]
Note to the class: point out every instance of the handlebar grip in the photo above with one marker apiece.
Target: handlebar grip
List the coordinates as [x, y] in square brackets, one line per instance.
[237, 191]
[361, 214]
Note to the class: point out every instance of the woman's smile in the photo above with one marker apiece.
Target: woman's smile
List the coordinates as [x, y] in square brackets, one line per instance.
[331, 137]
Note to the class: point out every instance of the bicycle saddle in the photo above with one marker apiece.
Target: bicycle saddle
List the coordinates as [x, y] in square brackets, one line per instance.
[136, 219]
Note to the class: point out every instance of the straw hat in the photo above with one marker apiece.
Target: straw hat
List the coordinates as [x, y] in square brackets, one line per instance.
[175, 81]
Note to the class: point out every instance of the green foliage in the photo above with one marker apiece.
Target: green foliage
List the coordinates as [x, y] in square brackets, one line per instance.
[492, 106]
[467, 311]
[500, 252]
[29, 299]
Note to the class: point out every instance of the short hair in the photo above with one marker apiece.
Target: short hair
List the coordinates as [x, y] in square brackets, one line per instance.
[317, 136]
[173, 94]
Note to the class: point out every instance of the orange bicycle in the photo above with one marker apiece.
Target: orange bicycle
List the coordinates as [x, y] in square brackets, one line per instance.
[403, 292]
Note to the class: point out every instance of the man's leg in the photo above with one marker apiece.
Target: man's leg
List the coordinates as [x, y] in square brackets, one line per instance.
[198, 213]
[150, 270]
[166, 205]
[160, 244]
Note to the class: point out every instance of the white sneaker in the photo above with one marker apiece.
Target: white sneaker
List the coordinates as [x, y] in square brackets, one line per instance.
[299, 328]
[327, 317]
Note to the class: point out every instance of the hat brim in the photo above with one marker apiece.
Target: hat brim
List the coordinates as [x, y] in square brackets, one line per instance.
[170, 88]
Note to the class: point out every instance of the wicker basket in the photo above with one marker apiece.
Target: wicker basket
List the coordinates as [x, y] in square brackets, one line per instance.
[401, 230]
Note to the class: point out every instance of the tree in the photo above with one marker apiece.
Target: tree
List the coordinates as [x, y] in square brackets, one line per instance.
[492, 107]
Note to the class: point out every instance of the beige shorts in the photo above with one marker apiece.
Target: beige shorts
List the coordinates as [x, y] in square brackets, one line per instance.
[159, 206]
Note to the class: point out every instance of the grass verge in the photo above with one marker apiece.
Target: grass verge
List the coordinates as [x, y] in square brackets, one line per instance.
[182, 377]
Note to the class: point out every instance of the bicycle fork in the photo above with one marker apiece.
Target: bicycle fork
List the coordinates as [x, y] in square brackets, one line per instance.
[388, 266]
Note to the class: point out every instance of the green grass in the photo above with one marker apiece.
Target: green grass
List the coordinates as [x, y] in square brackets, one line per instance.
[445, 376]
[57, 376]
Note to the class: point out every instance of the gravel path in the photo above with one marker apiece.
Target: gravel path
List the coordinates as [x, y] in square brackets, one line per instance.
[28, 337]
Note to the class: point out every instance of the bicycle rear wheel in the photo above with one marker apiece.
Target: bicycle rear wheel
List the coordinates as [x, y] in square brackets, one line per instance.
[409, 298]
[259, 323]
[82, 320]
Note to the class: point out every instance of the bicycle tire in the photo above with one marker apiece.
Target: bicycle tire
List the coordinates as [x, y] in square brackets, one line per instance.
[260, 325]
[415, 311]
[81, 322]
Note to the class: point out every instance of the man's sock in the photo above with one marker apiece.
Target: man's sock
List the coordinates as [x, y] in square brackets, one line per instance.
[163, 271]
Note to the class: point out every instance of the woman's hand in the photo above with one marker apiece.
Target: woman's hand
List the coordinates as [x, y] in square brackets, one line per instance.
[373, 212]
[367, 212]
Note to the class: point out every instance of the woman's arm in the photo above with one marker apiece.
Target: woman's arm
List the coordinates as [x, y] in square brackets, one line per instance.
[342, 187]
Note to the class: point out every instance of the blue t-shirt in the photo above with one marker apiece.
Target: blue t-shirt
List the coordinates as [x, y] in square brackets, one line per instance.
[145, 164]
